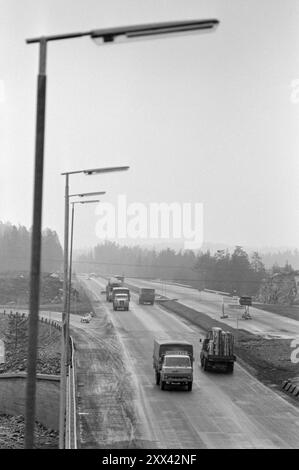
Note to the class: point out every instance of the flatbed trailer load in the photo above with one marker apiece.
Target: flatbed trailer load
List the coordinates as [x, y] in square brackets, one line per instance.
[112, 283]
[218, 351]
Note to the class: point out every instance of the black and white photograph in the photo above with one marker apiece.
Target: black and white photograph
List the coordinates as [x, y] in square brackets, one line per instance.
[149, 228]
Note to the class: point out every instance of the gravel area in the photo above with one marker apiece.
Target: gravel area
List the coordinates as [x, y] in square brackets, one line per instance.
[12, 429]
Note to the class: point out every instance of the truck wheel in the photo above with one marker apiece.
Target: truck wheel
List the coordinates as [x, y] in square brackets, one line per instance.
[205, 364]
[230, 368]
[189, 386]
[162, 384]
[201, 362]
[157, 378]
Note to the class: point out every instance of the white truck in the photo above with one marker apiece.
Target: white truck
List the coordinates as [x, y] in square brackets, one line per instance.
[173, 363]
[121, 302]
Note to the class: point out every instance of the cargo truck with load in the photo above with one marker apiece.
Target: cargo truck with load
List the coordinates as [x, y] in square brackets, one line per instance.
[173, 363]
[112, 282]
[146, 296]
[218, 350]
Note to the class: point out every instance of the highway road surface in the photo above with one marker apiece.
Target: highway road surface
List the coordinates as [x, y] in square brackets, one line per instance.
[266, 324]
[222, 411]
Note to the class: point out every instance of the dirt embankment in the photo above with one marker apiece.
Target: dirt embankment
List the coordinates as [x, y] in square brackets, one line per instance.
[14, 293]
[290, 311]
[14, 289]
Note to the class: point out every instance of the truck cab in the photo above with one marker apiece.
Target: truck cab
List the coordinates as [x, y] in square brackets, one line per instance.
[176, 369]
[173, 363]
[121, 301]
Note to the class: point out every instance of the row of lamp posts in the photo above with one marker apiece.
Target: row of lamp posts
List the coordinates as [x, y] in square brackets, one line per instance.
[101, 36]
[67, 279]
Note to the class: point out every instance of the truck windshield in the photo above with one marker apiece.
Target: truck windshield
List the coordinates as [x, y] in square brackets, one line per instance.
[177, 361]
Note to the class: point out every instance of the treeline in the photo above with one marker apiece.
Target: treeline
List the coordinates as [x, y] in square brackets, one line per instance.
[221, 271]
[281, 258]
[15, 248]
[279, 286]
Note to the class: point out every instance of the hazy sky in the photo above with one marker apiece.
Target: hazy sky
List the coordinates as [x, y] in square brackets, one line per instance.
[204, 118]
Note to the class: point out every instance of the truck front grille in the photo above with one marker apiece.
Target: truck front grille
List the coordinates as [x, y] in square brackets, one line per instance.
[177, 377]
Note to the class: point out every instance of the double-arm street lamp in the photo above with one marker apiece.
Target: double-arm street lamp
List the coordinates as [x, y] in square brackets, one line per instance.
[73, 203]
[65, 312]
[89, 201]
[100, 36]
[65, 339]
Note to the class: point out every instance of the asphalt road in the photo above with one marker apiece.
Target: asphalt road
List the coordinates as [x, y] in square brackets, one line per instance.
[222, 411]
[263, 323]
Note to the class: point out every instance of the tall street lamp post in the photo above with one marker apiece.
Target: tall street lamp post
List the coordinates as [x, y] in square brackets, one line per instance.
[91, 201]
[101, 36]
[65, 320]
[65, 343]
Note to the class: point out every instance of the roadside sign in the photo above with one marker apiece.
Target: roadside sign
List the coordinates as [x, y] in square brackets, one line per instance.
[2, 352]
[245, 300]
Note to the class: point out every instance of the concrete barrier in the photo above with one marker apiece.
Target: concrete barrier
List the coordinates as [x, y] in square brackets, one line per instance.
[13, 394]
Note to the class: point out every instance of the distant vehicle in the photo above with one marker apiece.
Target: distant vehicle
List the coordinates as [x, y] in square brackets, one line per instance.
[146, 296]
[218, 350]
[121, 301]
[173, 363]
[85, 319]
[112, 282]
[245, 300]
[120, 278]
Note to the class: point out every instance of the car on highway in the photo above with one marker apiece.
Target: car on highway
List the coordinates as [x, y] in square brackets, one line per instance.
[85, 319]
